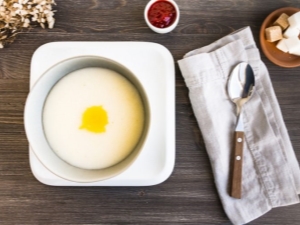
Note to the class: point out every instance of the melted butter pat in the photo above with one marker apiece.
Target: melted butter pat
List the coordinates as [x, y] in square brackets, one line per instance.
[94, 119]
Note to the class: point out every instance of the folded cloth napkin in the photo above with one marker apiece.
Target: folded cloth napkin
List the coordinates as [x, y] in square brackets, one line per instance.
[271, 175]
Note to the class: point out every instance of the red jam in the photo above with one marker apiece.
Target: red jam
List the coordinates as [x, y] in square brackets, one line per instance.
[162, 14]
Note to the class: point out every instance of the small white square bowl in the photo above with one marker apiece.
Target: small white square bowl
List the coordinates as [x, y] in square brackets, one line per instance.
[154, 66]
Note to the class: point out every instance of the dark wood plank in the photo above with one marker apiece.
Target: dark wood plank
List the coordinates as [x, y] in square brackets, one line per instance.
[189, 196]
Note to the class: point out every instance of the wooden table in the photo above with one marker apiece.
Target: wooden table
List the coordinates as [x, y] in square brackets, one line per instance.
[189, 196]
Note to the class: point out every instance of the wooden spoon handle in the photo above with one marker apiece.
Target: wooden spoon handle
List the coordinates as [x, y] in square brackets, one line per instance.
[236, 185]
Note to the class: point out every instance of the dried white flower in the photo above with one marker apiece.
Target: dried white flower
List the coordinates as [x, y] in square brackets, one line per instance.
[51, 23]
[15, 15]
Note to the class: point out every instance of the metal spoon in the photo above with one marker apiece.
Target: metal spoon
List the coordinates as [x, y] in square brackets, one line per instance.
[240, 88]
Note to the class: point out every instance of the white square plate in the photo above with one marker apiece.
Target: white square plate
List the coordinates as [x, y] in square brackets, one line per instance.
[153, 64]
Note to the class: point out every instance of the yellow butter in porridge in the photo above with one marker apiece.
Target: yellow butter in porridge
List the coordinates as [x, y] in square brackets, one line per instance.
[94, 119]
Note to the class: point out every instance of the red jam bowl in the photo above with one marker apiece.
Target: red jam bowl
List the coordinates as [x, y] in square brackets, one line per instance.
[162, 16]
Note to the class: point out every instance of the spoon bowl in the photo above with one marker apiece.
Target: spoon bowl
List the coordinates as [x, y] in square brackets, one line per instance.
[240, 84]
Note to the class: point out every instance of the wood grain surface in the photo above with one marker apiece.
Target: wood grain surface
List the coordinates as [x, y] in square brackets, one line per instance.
[189, 196]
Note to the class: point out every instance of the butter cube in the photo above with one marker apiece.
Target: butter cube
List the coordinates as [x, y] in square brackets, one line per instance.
[273, 33]
[282, 21]
[293, 44]
[291, 32]
[296, 52]
[294, 20]
[281, 45]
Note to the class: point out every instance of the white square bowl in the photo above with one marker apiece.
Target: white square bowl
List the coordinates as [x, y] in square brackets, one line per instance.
[154, 66]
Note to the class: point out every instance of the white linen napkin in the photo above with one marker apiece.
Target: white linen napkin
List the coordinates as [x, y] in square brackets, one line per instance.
[271, 175]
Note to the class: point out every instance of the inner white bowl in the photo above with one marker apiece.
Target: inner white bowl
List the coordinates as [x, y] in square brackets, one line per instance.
[34, 123]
